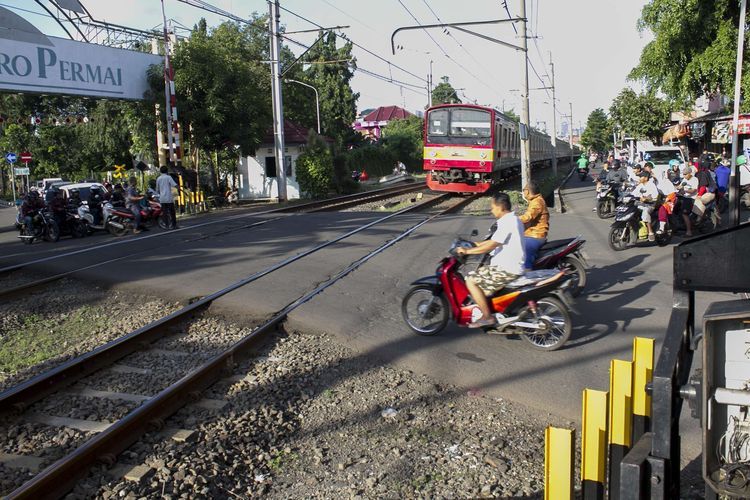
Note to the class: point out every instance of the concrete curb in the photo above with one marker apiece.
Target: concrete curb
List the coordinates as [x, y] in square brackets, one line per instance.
[560, 206]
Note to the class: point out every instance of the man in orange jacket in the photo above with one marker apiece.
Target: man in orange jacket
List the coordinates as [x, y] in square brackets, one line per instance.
[535, 221]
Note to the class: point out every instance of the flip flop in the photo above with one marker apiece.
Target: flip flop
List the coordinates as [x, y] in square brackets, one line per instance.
[481, 323]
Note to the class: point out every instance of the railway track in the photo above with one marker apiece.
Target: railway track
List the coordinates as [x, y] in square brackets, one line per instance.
[190, 371]
[337, 203]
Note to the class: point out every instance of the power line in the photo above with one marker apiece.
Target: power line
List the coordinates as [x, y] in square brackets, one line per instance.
[345, 37]
[350, 16]
[443, 50]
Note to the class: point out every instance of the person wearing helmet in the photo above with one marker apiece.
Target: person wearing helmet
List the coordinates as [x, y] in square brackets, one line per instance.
[647, 194]
[722, 175]
[32, 205]
[617, 174]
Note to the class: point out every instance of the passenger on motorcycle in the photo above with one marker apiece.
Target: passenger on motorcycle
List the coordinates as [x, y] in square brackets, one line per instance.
[31, 205]
[688, 190]
[706, 187]
[536, 223]
[617, 174]
[647, 194]
[57, 206]
[673, 174]
[133, 199]
[722, 176]
[506, 264]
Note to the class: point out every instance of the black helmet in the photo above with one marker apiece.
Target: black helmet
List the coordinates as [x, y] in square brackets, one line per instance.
[33, 194]
[616, 164]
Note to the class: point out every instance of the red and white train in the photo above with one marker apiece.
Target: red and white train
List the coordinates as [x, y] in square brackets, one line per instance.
[468, 147]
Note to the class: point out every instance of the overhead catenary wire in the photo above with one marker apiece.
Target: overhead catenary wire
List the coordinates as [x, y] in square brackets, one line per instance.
[346, 38]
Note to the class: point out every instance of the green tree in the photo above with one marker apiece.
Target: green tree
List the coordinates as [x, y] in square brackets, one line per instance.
[597, 134]
[693, 51]
[444, 93]
[639, 115]
[331, 70]
[511, 113]
[404, 139]
[315, 172]
[223, 88]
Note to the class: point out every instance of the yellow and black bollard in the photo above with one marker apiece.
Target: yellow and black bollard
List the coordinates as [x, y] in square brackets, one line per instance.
[559, 460]
[643, 368]
[620, 419]
[181, 195]
[594, 444]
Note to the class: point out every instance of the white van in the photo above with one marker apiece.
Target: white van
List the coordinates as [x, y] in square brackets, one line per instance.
[660, 156]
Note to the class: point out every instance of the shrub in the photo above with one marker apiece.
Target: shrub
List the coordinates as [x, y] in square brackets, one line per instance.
[315, 168]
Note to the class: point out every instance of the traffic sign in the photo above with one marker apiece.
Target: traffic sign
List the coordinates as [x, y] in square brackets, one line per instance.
[21, 170]
[26, 157]
[11, 157]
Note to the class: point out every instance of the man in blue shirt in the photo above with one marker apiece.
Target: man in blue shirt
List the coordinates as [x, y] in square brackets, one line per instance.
[722, 176]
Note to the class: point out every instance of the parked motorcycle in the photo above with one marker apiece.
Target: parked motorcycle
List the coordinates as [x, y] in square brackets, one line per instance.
[97, 218]
[43, 227]
[629, 230]
[535, 306]
[73, 224]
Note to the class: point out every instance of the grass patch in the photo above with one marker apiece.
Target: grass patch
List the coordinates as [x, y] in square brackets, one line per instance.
[283, 458]
[39, 339]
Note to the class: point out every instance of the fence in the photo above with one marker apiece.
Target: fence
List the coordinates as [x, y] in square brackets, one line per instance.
[190, 202]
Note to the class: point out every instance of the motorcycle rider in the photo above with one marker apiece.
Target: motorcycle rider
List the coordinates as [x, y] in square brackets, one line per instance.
[536, 222]
[616, 174]
[507, 250]
[133, 198]
[674, 172]
[583, 163]
[95, 201]
[647, 194]
[31, 205]
[57, 206]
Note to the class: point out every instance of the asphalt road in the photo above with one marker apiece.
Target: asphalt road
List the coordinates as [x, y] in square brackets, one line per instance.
[628, 294]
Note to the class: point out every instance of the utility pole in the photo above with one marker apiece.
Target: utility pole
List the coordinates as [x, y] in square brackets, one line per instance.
[734, 179]
[554, 119]
[524, 125]
[278, 110]
[429, 87]
[570, 134]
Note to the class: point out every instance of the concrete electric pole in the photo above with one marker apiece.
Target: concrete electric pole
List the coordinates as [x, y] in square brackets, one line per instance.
[570, 134]
[734, 181]
[278, 110]
[525, 130]
[554, 119]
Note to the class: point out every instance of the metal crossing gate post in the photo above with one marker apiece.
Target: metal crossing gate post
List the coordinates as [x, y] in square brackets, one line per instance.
[594, 444]
[559, 461]
[620, 419]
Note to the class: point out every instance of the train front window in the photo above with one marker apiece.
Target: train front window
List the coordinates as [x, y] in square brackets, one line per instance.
[470, 123]
[438, 122]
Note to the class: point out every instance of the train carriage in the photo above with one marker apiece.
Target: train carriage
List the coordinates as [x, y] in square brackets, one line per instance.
[468, 147]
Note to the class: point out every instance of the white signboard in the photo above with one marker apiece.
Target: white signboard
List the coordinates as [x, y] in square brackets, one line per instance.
[53, 65]
[21, 170]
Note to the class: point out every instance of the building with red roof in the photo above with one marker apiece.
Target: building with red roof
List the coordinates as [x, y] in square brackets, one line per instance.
[371, 124]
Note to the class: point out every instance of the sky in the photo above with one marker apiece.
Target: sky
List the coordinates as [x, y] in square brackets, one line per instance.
[593, 43]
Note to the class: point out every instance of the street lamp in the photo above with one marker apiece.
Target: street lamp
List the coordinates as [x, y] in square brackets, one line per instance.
[317, 100]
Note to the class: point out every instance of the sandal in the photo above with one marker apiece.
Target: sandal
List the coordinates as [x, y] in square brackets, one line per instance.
[481, 323]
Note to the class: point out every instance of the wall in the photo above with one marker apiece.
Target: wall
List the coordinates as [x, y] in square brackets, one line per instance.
[253, 182]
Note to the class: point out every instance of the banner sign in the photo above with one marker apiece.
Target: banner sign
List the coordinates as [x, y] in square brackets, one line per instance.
[34, 62]
[721, 132]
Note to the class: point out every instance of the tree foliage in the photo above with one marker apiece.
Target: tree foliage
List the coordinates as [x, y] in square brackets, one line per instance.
[597, 134]
[404, 139]
[639, 115]
[315, 168]
[693, 51]
[444, 93]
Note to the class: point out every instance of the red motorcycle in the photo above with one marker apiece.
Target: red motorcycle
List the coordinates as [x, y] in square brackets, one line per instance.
[535, 306]
[122, 219]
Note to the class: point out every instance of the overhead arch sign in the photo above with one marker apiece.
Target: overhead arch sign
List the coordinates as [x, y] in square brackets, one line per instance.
[33, 62]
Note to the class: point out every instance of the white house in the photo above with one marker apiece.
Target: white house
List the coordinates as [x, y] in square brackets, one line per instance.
[258, 174]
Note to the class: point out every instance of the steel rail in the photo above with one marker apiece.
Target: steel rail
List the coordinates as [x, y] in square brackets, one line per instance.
[19, 397]
[294, 208]
[61, 476]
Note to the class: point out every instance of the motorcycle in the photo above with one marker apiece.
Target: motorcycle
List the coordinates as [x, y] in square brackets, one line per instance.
[121, 219]
[629, 230]
[535, 306]
[72, 224]
[565, 255]
[43, 227]
[583, 172]
[94, 223]
[606, 199]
